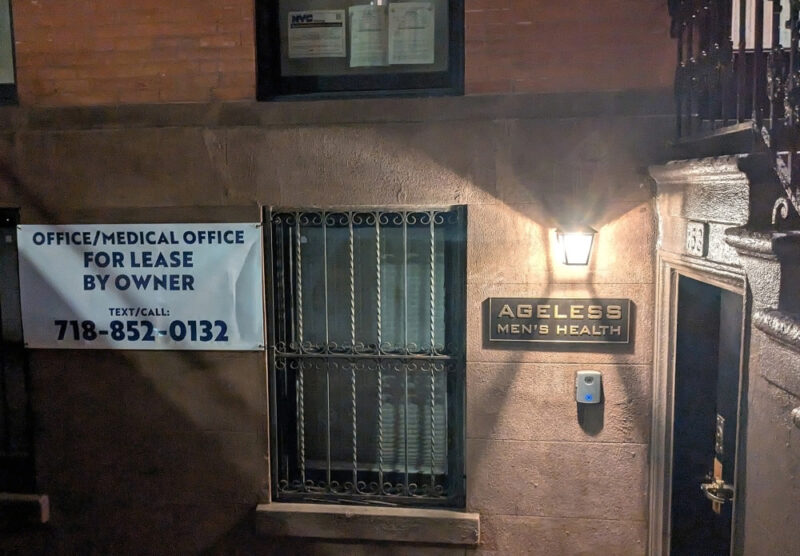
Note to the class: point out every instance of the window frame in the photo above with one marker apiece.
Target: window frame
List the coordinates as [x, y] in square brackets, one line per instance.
[271, 85]
[455, 497]
[8, 91]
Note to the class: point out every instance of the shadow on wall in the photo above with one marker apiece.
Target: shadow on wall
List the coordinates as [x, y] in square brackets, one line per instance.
[167, 449]
[143, 451]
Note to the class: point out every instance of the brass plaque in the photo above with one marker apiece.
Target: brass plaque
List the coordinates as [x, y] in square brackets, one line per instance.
[582, 321]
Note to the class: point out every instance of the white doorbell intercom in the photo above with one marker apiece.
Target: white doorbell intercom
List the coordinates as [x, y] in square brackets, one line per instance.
[588, 386]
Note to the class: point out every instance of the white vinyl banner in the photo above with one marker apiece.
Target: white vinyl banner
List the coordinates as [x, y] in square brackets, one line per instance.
[142, 286]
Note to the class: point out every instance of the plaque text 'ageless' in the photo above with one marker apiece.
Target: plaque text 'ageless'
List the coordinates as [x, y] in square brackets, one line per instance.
[519, 319]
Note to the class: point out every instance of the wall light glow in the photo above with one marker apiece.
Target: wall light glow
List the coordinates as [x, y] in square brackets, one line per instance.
[576, 245]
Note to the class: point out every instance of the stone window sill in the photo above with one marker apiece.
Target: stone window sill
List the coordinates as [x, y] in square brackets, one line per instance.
[330, 521]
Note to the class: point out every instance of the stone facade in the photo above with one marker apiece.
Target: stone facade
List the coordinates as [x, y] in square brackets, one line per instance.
[734, 195]
[163, 452]
[149, 451]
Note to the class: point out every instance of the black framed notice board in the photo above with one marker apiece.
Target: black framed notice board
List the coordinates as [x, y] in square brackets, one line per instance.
[342, 48]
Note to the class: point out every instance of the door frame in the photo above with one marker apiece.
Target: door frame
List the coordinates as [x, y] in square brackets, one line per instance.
[670, 268]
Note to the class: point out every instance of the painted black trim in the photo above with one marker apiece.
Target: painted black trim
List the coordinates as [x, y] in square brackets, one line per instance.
[9, 216]
[271, 85]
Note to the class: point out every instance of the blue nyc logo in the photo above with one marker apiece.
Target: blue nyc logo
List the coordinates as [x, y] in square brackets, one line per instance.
[302, 18]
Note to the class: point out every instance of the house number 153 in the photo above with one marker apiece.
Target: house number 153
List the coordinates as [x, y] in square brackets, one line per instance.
[696, 239]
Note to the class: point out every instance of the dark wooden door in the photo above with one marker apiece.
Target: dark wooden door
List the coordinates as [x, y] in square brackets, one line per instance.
[707, 385]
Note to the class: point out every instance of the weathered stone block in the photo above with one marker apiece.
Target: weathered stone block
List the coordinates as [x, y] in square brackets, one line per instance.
[773, 463]
[163, 446]
[513, 244]
[396, 164]
[523, 401]
[326, 521]
[126, 167]
[574, 166]
[557, 479]
[562, 537]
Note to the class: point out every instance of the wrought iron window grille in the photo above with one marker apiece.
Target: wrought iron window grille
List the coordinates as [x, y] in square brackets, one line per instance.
[367, 337]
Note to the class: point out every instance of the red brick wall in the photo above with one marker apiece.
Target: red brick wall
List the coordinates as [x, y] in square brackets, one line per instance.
[115, 51]
[133, 51]
[567, 45]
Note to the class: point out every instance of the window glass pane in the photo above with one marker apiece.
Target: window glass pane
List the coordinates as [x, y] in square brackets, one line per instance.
[365, 268]
[6, 45]
[392, 288]
[313, 284]
[351, 37]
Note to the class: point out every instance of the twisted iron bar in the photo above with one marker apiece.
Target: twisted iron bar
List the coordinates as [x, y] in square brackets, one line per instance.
[433, 346]
[299, 283]
[378, 346]
[300, 373]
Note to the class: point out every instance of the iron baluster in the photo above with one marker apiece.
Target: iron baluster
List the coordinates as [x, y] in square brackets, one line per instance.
[704, 63]
[714, 57]
[405, 350]
[725, 45]
[759, 74]
[405, 282]
[432, 225]
[379, 347]
[301, 429]
[355, 426]
[776, 72]
[741, 67]
[680, 78]
[351, 253]
[300, 371]
[792, 97]
[691, 72]
[324, 221]
[405, 430]
[792, 115]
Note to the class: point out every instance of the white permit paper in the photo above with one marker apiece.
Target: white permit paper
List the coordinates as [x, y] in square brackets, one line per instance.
[368, 44]
[317, 34]
[411, 33]
[142, 286]
[750, 25]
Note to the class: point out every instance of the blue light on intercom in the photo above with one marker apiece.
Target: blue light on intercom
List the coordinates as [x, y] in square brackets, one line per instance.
[588, 386]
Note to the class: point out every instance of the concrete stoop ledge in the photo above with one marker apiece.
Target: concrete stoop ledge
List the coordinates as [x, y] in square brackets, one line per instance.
[331, 521]
[771, 260]
[24, 508]
[781, 326]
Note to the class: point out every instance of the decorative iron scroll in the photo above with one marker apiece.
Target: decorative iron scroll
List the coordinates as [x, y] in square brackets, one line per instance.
[378, 478]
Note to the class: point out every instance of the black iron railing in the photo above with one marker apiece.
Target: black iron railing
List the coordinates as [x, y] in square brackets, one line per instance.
[738, 65]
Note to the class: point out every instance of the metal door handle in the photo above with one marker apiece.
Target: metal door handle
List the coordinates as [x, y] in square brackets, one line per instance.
[717, 491]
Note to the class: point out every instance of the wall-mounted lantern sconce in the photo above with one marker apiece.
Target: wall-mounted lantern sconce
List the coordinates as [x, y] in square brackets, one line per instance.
[576, 244]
